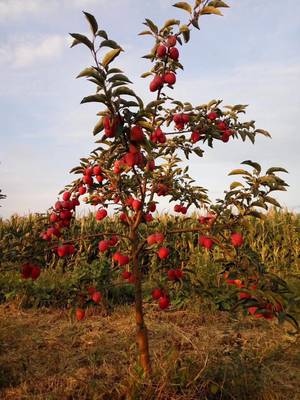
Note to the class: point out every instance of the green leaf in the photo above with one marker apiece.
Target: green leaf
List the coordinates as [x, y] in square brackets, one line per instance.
[110, 56]
[151, 25]
[82, 39]
[239, 172]
[102, 34]
[198, 151]
[276, 169]
[251, 136]
[272, 201]
[253, 164]
[211, 10]
[114, 71]
[195, 23]
[92, 72]
[154, 104]
[117, 83]
[75, 42]
[100, 98]
[109, 43]
[184, 6]
[92, 21]
[119, 77]
[129, 103]
[98, 127]
[263, 132]
[126, 91]
[259, 203]
[76, 170]
[256, 214]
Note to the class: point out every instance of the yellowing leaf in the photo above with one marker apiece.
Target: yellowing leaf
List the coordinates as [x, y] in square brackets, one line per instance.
[218, 3]
[184, 6]
[110, 56]
[211, 10]
[171, 22]
[234, 185]
[145, 124]
[239, 172]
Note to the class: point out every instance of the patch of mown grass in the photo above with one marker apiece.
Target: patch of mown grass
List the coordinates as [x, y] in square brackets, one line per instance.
[196, 354]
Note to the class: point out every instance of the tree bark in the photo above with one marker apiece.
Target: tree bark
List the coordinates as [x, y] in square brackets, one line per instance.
[141, 329]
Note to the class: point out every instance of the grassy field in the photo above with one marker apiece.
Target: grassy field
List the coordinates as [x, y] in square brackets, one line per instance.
[198, 351]
[197, 354]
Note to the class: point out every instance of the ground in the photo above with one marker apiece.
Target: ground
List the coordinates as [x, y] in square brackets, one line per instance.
[45, 354]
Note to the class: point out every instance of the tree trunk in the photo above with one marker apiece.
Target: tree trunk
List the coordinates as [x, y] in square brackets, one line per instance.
[141, 329]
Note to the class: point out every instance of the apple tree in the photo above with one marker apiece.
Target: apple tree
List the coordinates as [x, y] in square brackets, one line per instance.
[142, 156]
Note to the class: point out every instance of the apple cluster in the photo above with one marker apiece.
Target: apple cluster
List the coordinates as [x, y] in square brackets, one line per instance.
[29, 270]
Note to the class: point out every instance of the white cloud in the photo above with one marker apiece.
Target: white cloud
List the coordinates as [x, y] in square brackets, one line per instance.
[19, 54]
[16, 8]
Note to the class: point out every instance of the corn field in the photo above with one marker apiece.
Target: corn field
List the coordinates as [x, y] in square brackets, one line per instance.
[276, 239]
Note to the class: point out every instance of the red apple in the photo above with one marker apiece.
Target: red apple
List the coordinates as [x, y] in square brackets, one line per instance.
[164, 302]
[170, 78]
[151, 240]
[70, 249]
[26, 270]
[237, 239]
[152, 207]
[80, 314]
[137, 205]
[171, 41]
[206, 242]
[88, 171]
[156, 294]
[163, 253]
[96, 297]
[101, 214]
[178, 273]
[123, 260]
[91, 290]
[222, 126]
[159, 237]
[103, 245]
[88, 180]
[97, 170]
[137, 134]
[171, 275]
[174, 53]
[66, 196]
[161, 51]
[195, 136]
[126, 275]
[156, 84]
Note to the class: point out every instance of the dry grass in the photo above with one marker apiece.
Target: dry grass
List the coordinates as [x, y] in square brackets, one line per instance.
[45, 354]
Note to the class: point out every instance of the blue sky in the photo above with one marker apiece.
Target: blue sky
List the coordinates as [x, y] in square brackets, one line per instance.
[249, 56]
